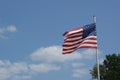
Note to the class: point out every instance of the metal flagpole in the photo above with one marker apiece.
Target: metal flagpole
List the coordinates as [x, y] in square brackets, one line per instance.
[97, 59]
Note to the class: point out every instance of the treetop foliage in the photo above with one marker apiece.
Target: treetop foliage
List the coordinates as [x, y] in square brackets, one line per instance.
[110, 69]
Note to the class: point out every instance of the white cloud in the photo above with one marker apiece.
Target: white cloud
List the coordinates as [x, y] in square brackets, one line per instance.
[8, 69]
[53, 54]
[79, 72]
[23, 77]
[2, 30]
[5, 63]
[4, 73]
[1, 63]
[11, 28]
[43, 68]
[17, 68]
[46, 59]
[23, 70]
[89, 53]
[77, 65]
[7, 30]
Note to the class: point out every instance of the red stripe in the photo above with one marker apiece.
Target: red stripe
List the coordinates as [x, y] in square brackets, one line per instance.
[92, 38]
[75, 33]
[71, 31]
[66, 40]
[74, 36]
[88, 47]
[72, 39]
[69, 45]
[69, 49]
[68, 52]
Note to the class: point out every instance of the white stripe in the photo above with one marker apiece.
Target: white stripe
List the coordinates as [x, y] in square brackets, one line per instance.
[69, 43]
[91, 37]
[91, 45]
[76, 34]
[90, 41]
[74, 31]
[73, 38]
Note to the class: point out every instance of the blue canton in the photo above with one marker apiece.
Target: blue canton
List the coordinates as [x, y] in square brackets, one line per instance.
[89, 30]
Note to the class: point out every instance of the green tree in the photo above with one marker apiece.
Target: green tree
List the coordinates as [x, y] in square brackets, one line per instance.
[109, 70]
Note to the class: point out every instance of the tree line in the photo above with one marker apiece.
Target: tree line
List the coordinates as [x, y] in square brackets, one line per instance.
[109, 69]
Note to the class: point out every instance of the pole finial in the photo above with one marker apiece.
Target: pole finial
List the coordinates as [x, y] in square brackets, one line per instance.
[94, 19]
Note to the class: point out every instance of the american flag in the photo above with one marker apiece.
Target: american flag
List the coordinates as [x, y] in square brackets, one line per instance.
[82, 37]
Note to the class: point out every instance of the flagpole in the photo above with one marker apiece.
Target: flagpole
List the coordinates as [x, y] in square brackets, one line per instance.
[97, 59]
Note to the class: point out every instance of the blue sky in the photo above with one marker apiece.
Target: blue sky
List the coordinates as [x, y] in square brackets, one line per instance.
[31, 37]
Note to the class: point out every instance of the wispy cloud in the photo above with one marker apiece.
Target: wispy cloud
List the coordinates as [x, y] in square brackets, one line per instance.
[22, 77]
[77, 65]
[5, 31]
[23, 70]
[89, 53]
[2, 30]
[10, 70]
[3, 36]
[47, 59]
[79, 72]
[11, 28]
[43, 68]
